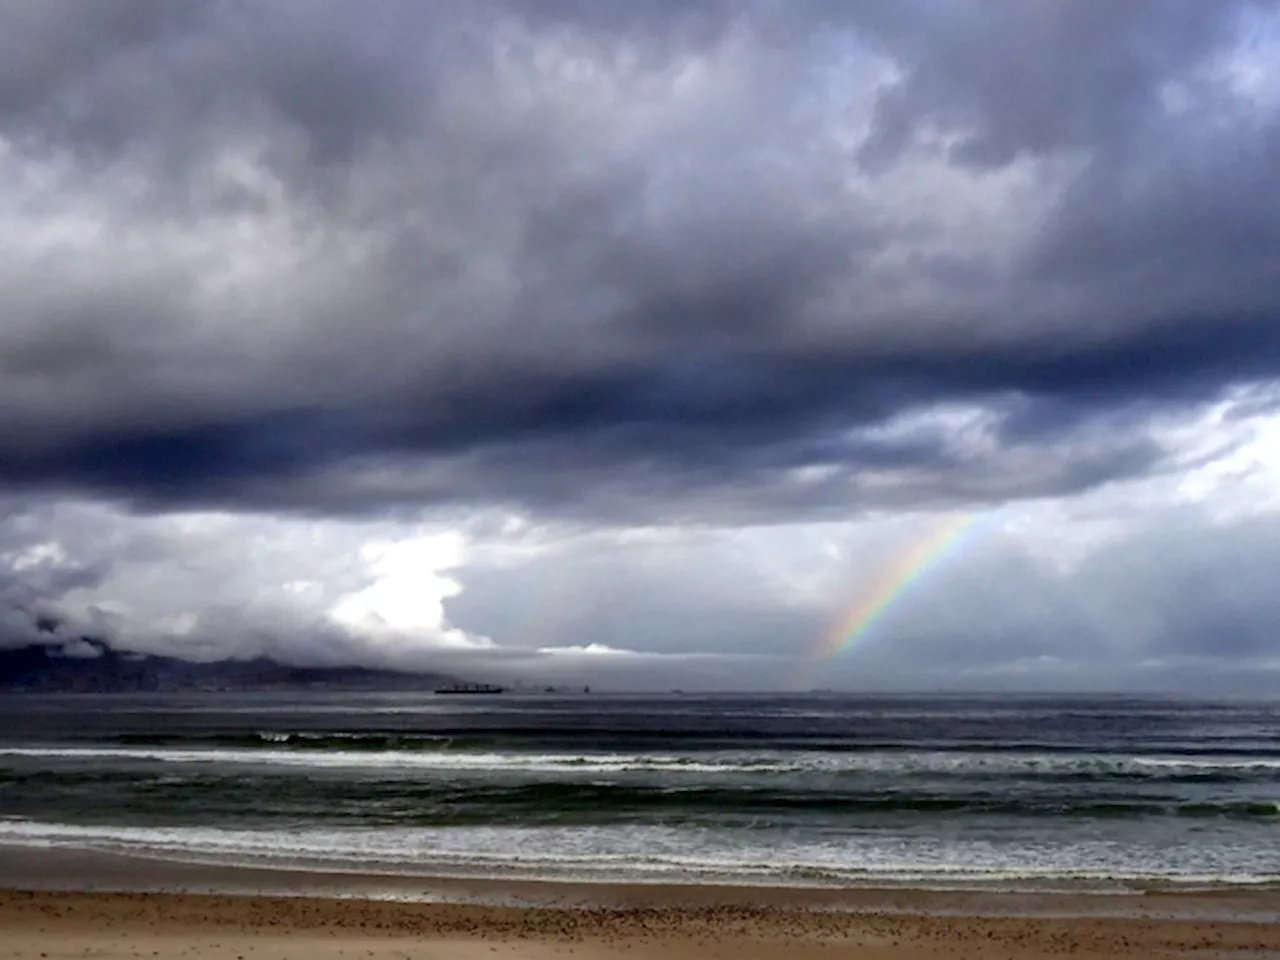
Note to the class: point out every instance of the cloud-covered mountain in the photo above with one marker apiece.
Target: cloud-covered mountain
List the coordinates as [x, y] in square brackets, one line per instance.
[87, 665]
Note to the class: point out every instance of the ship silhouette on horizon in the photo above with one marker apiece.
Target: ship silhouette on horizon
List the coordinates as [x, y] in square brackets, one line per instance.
[454, 688]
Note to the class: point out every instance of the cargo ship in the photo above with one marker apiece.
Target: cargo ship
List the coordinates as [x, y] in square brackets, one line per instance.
[471, 688]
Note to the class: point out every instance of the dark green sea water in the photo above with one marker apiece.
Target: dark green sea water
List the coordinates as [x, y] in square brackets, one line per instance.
[1028, 793]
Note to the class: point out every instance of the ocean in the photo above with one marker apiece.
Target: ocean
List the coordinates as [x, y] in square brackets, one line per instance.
[1035, 793]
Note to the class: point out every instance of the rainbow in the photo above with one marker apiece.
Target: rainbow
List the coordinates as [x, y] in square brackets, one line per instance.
[906, 570]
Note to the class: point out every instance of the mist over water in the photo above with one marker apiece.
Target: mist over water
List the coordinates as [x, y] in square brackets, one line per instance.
[1103, 793]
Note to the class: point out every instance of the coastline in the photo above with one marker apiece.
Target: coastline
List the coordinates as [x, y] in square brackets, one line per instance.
[114, 926]
[773, 831]
[58, 902]
[75, 871]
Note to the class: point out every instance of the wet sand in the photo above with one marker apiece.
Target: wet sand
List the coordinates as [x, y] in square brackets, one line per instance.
[121, 925]
[639, 922]
[66, 903]
[66, 869]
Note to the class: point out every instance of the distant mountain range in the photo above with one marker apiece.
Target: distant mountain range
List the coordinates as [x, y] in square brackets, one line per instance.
[92, 666]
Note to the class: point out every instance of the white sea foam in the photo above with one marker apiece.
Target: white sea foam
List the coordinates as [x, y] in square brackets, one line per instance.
[442, 760]
[939, 763]
[654, 853]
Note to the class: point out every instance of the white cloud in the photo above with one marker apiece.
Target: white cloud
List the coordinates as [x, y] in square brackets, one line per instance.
[590, 650]
[404, 599]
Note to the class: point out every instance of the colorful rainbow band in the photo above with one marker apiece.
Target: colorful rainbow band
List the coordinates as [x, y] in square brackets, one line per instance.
[879, 596]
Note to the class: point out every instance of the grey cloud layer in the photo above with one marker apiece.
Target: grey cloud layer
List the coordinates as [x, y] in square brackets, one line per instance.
[1168, 596]
[648, 259]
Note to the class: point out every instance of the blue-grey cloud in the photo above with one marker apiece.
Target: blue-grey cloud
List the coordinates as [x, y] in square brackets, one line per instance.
[714, 266]
[491, 245]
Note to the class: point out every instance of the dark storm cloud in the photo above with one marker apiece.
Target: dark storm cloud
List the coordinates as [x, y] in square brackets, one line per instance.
[47, 47]
[1012, 78]
[326, 257]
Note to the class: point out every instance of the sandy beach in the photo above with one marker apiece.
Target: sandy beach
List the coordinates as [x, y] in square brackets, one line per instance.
[62, 924]
[153, 838]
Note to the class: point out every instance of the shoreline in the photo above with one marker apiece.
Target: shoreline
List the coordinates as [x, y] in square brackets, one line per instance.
[74, 871]
[116, 926]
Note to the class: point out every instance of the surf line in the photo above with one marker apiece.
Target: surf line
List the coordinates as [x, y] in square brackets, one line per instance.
[905, 571]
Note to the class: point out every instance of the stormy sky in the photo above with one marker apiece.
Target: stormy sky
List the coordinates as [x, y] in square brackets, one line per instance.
[640, 343]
